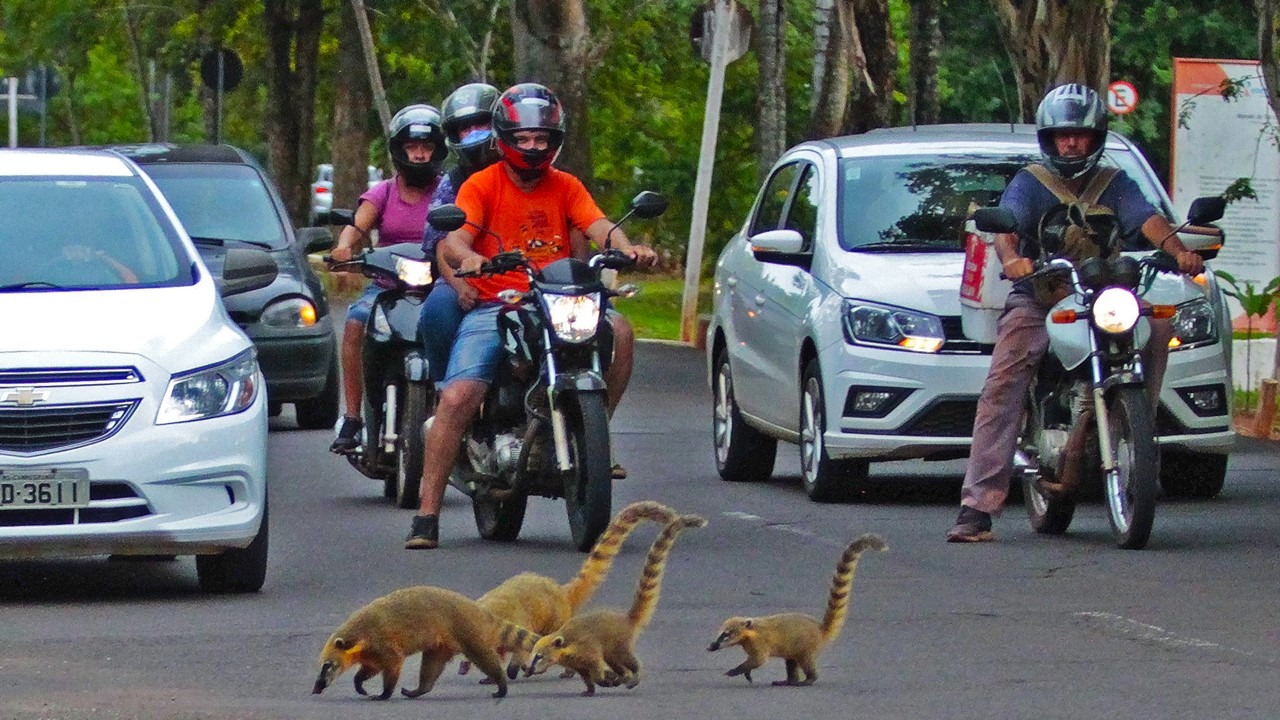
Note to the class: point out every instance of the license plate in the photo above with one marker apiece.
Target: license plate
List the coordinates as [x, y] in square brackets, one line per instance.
[43, 488]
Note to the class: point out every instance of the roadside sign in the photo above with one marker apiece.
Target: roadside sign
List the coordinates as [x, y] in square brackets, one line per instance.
[737, 28]
[221, 69]
[1122, 97]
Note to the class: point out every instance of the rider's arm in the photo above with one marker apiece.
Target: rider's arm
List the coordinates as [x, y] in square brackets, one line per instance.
[354, 236]
[456, 251]
[1164, 237]
[1011, 262]
[598, 230]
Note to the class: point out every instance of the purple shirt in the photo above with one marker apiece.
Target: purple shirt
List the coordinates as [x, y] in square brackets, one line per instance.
[398, 221]
[444, 194]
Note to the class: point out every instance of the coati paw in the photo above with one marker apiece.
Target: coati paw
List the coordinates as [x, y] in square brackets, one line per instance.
[464, 667]
[567, 674]
[486, 681]
[412, 693]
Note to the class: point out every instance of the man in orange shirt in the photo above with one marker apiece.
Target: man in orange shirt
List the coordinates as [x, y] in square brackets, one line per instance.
[534, 208]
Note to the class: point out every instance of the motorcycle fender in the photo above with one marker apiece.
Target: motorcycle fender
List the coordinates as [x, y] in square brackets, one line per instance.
[415, 367]
[401, 312]
[1069, 342]
[583, 381]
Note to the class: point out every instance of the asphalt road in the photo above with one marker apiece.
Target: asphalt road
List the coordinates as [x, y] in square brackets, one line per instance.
[1028, 626]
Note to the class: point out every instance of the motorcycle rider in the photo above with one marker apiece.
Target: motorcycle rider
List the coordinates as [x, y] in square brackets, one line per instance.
[397, 209]
[1071, 126]
[532, 206]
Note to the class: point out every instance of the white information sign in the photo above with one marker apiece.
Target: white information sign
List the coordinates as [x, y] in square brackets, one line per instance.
[1221, 142]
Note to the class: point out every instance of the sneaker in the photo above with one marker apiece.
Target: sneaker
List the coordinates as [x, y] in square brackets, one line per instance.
[424, 534]
[348, 439]
[971, 526]
[617, 472]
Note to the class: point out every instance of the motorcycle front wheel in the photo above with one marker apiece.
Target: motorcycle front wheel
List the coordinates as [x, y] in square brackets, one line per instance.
[499, 520]
[413, 415]
[588, 490]
[1131, 487]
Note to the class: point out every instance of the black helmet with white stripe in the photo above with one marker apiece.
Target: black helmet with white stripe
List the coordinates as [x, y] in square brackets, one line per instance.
[1071, 107]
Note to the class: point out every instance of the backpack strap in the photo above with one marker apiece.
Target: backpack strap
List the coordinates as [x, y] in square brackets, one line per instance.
[1098, 185]
[1053, 183]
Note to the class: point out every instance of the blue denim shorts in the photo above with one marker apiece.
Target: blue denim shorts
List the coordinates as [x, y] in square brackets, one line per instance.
[438, 326]
[477, 347]
[362, 306]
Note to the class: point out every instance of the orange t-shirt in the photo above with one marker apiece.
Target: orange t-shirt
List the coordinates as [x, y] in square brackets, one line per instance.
[535, 222]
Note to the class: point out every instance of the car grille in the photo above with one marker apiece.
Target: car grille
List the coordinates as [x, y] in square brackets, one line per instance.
[108, 502]
[41, 429]
[944, 418]
[69, 376]
[956, 342]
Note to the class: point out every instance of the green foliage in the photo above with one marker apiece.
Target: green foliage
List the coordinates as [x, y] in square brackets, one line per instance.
[1255, 303]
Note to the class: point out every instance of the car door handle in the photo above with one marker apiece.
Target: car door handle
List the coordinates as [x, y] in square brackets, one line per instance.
[760, 300]
[731, 282]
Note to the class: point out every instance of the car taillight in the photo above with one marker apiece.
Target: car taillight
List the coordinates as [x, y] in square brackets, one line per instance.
[321, 190]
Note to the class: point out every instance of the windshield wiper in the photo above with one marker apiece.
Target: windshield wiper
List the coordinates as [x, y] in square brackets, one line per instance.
[29, 285]
[905, 246]
[221, 242]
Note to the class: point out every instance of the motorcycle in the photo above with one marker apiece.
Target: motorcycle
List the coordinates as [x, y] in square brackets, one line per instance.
[1089, 421]
[398, 394]
[543, 428]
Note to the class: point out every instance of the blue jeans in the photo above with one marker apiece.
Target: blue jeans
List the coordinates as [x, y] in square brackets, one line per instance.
[362, 306]
[477, 347]
[438, 326]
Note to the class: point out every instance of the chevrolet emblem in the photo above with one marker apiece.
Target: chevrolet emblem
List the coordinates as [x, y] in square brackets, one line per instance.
[24, 397]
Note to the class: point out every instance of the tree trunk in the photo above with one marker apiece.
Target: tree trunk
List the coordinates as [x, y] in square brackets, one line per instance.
[139, 70]
[771, 99]
[873, 101]
[293, 43]
[1051, 42]
[351, 119]
[838, 64]
[552, 46]
[926, 44]
[1268, 28]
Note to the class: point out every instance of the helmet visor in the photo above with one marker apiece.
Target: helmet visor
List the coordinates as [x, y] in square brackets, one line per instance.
[529, 113]
[475, 134]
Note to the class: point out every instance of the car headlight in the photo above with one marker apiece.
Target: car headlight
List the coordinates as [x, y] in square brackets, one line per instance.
[223, 389]
[290, 313]
[416, 273]
[1115, 310]
[1193, 325]
[574, 318]
[893, 327]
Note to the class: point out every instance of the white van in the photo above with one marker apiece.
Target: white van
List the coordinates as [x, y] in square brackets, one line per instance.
[132, 414]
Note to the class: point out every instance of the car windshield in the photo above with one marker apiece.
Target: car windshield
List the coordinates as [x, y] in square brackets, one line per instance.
[906, 203]
[91, 233]
[222, 202]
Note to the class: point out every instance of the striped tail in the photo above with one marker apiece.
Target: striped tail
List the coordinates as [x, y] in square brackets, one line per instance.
[512, 637]
[651, 577]
[596, 567]
[842, 584]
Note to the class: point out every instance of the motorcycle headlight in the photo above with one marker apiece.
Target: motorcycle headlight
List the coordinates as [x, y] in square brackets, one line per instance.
[290, 313]
[1193, 325]
[894, 328]
[223, 389]
[1115, 310]
[574, 318]
[413, 272]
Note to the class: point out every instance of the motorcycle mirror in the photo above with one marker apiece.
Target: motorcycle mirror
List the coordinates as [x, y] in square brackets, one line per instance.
[337, 217]
[648, 204]
[995, 220]
[1206, 210]
[447, 218]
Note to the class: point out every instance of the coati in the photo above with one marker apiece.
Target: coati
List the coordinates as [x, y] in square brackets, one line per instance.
[796, 637]
[436, 622]
[543, 605]
[599, 645]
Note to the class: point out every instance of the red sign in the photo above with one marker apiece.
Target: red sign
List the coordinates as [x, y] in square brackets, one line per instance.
[975, 261]
[1122, 97]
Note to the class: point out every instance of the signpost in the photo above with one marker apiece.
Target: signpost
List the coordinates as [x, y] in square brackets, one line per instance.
[221, 70]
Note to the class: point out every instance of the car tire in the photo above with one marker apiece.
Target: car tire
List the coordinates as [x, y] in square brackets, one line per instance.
[743, 454]
[825, 479]
[321, 412]
[239, 570]
[1193, 475]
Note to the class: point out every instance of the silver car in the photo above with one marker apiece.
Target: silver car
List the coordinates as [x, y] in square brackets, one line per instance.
[322, 189]
[837, 317]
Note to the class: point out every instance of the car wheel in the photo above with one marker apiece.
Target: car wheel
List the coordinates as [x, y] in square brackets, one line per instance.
[321, 411]
[1192, 475]
[743, 454]
[825, 479]
[239, 570]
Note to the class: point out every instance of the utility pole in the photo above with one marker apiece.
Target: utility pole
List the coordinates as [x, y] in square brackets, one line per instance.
[371, 63]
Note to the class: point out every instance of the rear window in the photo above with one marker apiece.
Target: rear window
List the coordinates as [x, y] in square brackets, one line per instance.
[921, 202]
[222, 202]
[87, 233]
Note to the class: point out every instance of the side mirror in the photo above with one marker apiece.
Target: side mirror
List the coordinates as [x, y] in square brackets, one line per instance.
[314, 239]
[245, 270]
[447, 218]
[1206, 210]
[995, 220]
[781, 247]
[337, 217]
[648, 204]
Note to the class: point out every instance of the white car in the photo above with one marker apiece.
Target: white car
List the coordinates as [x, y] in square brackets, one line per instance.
[133, 419]
[837, 317]
[322, 189]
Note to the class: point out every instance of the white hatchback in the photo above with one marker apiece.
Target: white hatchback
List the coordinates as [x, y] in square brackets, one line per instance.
[837, 317]
[132, 414]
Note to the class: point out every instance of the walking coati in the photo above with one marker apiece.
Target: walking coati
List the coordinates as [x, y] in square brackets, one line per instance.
[796, 637]
[436, 622]
[599, 645]
[542, 605]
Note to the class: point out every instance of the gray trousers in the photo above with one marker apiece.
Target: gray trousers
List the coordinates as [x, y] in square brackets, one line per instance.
[1021, 340]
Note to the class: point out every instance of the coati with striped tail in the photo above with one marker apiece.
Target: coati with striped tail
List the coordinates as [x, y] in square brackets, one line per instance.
[543, 605]
[796, 637]
[434, 621]
[599, 645]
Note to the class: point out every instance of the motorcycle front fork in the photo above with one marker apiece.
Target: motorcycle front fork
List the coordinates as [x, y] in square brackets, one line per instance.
[389, 435]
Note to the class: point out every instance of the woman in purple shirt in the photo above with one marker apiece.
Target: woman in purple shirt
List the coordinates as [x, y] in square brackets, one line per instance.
[397, 209]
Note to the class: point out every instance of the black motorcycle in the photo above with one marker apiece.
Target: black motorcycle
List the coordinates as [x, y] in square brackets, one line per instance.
[544, 426]
[398, 394]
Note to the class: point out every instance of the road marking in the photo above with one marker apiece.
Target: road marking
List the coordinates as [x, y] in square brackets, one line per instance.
[784, 527]
[1157, 635]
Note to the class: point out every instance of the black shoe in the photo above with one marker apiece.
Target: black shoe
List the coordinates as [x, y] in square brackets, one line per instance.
[424, 534]
[971, 526]
[348, 439]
